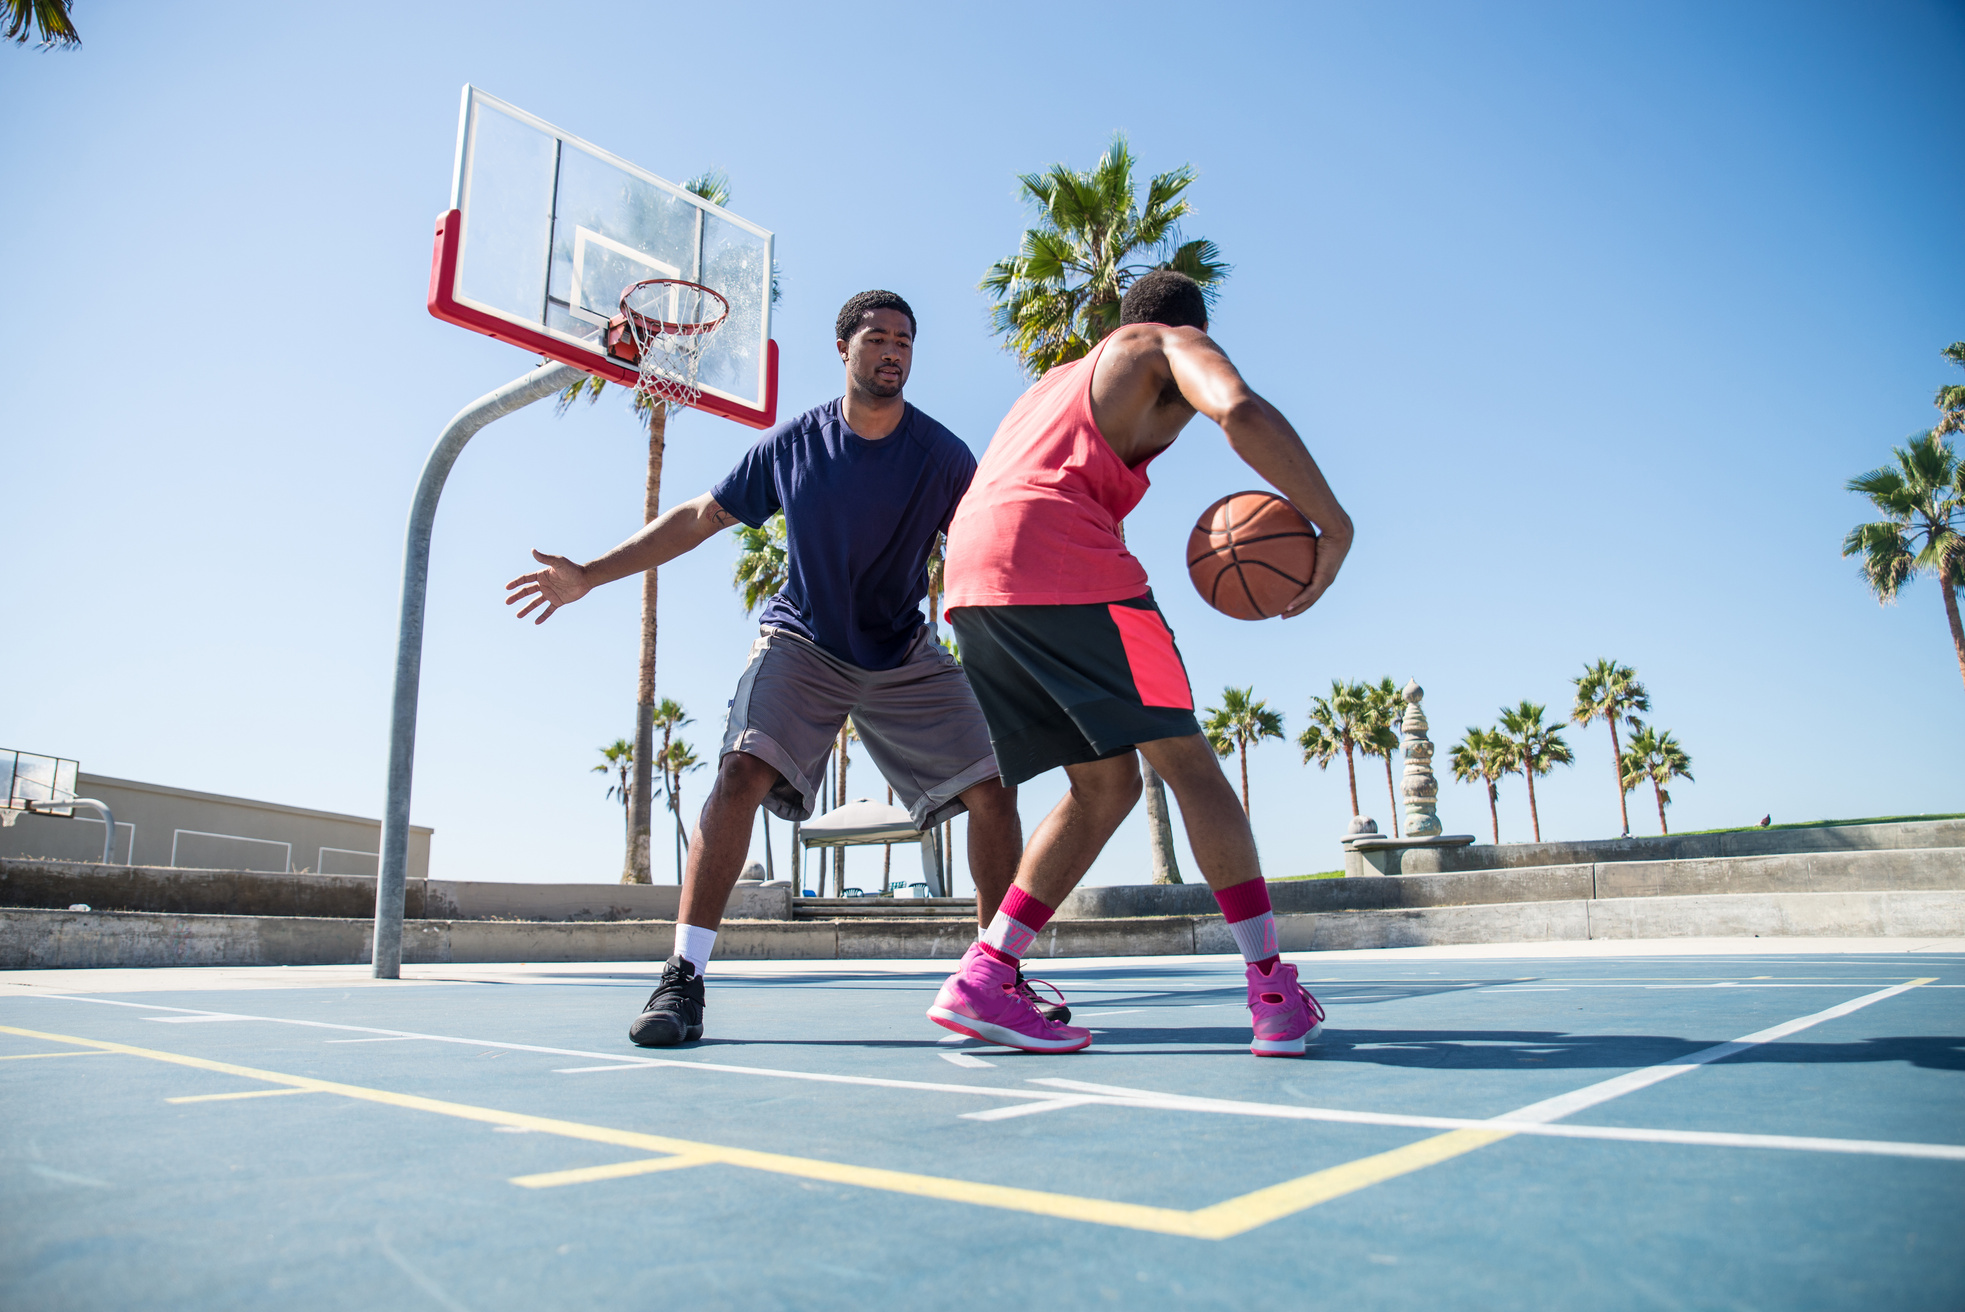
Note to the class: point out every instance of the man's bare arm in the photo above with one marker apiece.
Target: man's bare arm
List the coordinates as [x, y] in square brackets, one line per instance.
[671, 534]
[1259, 434]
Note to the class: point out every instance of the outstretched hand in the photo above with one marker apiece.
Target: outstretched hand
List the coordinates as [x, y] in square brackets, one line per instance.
[559, 584]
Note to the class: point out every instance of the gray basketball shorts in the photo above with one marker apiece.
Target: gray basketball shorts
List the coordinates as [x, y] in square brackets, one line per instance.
[918, 722]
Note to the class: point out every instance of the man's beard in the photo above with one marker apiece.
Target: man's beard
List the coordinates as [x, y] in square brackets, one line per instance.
[875, 386]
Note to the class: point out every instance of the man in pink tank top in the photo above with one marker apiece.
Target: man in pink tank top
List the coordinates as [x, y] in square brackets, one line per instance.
[1074, 665]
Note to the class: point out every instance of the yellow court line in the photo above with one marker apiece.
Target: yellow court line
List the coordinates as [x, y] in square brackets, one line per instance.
[1220, 1221]
[229, 1097]
[30, 1056]
[618, 1171]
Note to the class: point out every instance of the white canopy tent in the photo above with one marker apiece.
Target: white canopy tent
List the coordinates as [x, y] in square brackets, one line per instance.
[864, 822]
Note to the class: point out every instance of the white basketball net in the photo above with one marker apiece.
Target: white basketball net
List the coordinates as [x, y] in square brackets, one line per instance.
[671, 322]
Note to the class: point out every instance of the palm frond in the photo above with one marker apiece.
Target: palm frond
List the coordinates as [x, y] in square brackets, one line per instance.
[48, 17]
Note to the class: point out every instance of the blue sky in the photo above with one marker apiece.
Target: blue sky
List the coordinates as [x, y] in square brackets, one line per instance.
[1587, 311]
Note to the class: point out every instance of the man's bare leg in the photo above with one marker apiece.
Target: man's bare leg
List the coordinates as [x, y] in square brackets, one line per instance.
[1070, 838]
[1217, 831]
[722, 838]
[995, 843]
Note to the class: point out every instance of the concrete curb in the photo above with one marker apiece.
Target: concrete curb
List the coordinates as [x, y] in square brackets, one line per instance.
[40, 940]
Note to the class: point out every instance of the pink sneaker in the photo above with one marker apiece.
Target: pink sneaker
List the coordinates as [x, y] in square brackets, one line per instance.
[981, 1000]
[1286, 1016]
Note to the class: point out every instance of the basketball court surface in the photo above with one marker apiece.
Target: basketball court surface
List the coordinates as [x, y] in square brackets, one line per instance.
[1733, 1124]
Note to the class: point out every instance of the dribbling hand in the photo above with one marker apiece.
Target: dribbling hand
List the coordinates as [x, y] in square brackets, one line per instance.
[559, 584]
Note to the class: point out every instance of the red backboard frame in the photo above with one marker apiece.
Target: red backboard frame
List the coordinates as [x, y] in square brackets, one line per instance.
[443, 276]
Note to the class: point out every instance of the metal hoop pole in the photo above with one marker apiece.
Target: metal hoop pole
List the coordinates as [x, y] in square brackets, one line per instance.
[387, 954]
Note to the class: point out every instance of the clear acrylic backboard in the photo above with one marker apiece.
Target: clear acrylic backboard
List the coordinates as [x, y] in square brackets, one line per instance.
[545, 232]
[31, 778]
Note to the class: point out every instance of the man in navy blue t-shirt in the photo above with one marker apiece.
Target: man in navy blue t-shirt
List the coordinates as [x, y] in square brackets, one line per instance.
[866, 483]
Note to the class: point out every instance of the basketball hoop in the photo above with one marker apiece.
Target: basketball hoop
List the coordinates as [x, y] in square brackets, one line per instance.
[662, 329]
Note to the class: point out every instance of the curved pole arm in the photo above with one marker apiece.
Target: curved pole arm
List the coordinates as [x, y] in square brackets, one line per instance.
[108, 822]
[542, 382]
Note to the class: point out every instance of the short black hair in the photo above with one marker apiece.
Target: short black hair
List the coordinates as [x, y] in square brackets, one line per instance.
[1165, 296]
[856, 309]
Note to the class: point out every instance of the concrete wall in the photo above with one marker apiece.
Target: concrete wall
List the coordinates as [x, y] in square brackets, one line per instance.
[1809, 872]
[61, 884]
[163, 826]
[1676, 847]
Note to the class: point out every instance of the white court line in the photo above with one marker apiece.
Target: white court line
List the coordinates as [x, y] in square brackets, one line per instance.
[1537, 1118]
[963, 1059]
[393, 1038]
[1026, 1109]
[200, 1019]
[1533, 1119]
[614, 1060]
[1117, 1096]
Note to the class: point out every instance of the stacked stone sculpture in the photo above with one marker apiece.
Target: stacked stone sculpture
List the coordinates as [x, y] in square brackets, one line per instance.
[1419, 787]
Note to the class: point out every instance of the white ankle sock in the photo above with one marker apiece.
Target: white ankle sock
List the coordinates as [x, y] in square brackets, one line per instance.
[693, 944]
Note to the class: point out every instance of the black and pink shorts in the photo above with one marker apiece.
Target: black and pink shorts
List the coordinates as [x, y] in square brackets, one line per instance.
[1063, 685]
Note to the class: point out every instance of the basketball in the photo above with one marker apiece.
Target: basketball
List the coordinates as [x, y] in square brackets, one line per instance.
[1250, 554]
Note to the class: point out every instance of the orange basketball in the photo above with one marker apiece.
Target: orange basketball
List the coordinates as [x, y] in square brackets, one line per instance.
[1250, 554]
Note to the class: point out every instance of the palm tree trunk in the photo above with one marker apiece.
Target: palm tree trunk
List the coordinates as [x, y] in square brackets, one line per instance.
[1159, 825]
[1242, 750]
[636, 868]
[1661, 807]
[1950, 594]
[1351, 769]
[681, 839]
[1534, 820]
[1392, 793]
[1617, 768]
[1493, 815]
[887, 854]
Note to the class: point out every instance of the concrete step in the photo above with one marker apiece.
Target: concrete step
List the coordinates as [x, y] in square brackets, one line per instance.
[42, 939]
[958, 909]
[1808, 872]
[1671, 847]
[58, 884]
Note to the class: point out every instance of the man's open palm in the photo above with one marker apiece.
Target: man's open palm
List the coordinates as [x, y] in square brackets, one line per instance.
[561, 583]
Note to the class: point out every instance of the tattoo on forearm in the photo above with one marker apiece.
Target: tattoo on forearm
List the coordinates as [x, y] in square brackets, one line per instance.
[721, 517]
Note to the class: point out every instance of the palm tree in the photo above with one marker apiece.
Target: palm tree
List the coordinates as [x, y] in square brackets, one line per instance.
[1241, 719]
[49, 17]
[1536, 749]
[1950, 399]
[1385, 709]
[842, 753]
[1485, 755]
[1058, 296]
[1922, 498]
[678, 759]
[619, 760]
[713, 185]
[1656, 756]
[1609, 692]
[1337, 723]
[668, 716]
[760, 572]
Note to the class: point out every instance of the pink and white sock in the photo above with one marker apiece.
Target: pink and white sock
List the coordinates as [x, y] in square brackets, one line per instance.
[1251, 920]
[1017, 922]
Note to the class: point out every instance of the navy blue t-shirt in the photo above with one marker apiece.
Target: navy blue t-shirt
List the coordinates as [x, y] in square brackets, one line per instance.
[860, 522]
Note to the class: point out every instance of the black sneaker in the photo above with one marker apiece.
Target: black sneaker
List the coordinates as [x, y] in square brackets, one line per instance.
[674, 1013]
[1055, 1012]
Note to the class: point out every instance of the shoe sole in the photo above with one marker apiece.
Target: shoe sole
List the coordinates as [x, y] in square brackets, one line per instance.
[690, 1035]
[998, 1034]
[1285, 1047]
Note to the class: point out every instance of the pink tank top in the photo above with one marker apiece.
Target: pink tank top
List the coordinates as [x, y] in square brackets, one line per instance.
[1040, 523]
